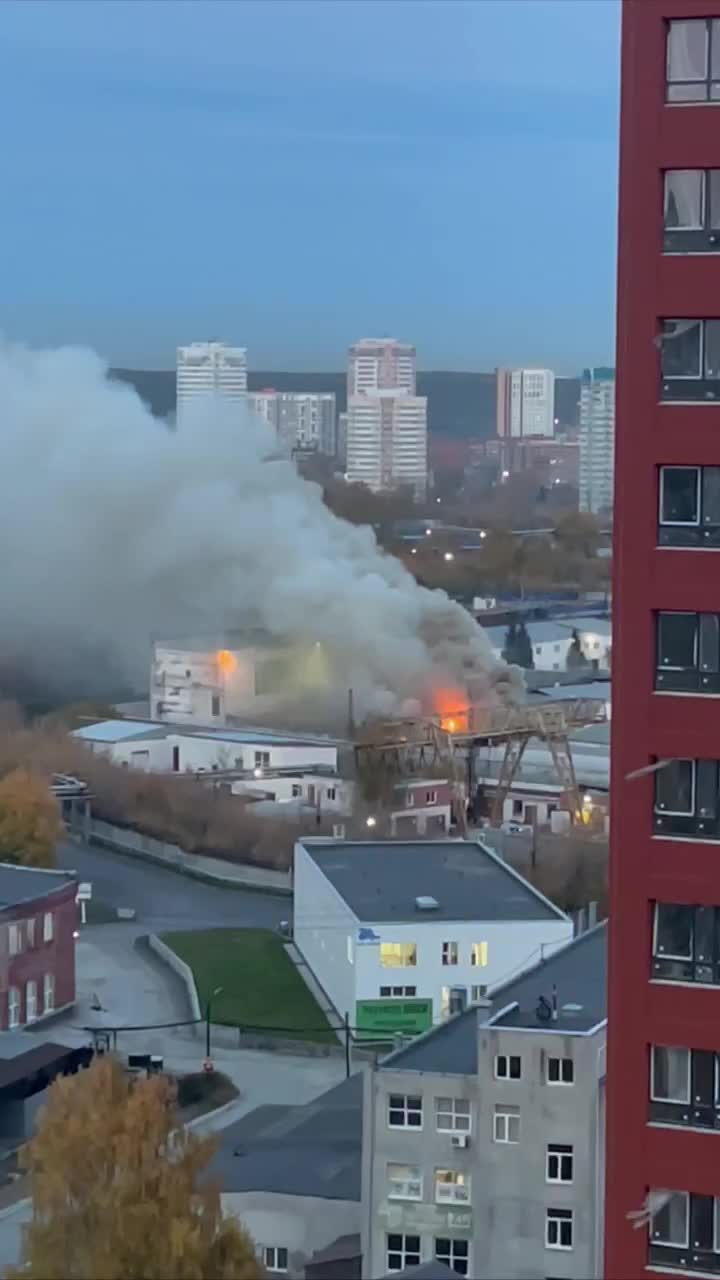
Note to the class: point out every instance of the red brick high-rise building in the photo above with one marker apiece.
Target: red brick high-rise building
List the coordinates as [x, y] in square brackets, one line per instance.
[663, 1090]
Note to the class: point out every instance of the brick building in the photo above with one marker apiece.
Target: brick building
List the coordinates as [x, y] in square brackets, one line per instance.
[38, 916]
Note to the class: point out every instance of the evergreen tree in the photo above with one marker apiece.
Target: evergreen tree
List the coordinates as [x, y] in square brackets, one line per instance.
[524, 648]
[575, 655]
[509, 652]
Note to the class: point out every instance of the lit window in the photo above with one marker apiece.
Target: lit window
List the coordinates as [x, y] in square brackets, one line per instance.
[559, 1163]
[479, 954]
[402, 1251]
[404, 1182]
[454, 1253]
[30, 1001]
[449, 952]
[49, 992]
[398, 955]
[560, 1071]
[404, 1111]
[508, 1067]
[452, 1115]
[452, 1186]
[559, 1229]
[13, 1007]
[506, 1124]
[48, 927]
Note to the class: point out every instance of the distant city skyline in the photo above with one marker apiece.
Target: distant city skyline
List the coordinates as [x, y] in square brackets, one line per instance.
[275, 173]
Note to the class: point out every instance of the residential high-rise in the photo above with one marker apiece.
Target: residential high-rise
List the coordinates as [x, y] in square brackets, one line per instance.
[387, 440]
[525, 402]
[597, 439]
[663, 1095]
[377, 364]
[210, 369]
[302, 420]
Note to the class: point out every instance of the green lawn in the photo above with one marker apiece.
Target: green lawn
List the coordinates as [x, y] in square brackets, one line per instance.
[261, 986]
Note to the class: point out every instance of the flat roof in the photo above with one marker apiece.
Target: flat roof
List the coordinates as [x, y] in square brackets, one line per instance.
[121, 731]
[308, 1150]
[23, 884]
[578, 971]
[380, 881]
[131, 730]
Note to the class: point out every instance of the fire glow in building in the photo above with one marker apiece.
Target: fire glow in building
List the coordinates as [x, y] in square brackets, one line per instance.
[663, 1086]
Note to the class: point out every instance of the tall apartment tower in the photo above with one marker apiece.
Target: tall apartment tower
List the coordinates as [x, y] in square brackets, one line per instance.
[303, 421]
[209, 370]
[597, 439]
[525, 402]
[378, 364]
[663, 1094]
[386, 444]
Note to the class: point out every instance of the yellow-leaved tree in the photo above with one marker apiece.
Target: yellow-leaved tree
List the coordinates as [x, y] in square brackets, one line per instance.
[30, 823]
[120, 1192]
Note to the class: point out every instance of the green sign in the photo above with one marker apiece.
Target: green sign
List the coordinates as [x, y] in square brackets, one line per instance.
[378, 1019]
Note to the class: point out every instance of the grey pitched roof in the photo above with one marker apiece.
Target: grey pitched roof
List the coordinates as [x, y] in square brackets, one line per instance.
[23, 884]
[309, 1150]
[578, 970]
[380, 882]
[348, 1246]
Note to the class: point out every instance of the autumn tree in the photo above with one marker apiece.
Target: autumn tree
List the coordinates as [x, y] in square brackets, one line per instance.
[30, 823]
[120, 1192]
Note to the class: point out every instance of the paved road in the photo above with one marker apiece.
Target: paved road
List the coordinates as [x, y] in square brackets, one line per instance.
[166, 899]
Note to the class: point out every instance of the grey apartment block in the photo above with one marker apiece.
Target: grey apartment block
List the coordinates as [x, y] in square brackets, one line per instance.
[483, 1140]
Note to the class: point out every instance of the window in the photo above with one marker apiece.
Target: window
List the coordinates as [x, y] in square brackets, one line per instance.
[560, 1071]
[215, 705]
[690, 359]
[449, 952]
[670, 1074]
[431, 797]
[409, 799]
[30, 1001]
[452, 1115]
[49, 992]
[478, 992]
[404, 1182]
[689, 507]
[404, 1111]
[687, 799]
[559, 1163]
[296, 790]
[671, 1221]
[274, 1258]
[693, 60]
[48, 927]
[688, 652]
[454, 1253]
[479, 954]
[451, 1187]
[508, 1067]
[559, 1229]
[330, 793]
[692, 210]
[398, 955]
[397, 992]
[402, 1251]
[685, 944]
[685, 1087]
[30, 926]
[262, 759]
[506, 1124]
[679, 495]
[13, 1007]
[14, 939]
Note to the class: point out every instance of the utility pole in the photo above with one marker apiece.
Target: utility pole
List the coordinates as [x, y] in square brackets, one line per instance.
[208, 1008]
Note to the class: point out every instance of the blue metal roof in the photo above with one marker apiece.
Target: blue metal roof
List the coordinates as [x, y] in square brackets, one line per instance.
[120, 730]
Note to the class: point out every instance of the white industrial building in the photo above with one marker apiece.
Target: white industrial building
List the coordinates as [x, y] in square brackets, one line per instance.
[303, 421]
[207, 372]
[597, 439]
[551, 641]
[525, 402]
[376, 364]
[437, 923]
[387, 440]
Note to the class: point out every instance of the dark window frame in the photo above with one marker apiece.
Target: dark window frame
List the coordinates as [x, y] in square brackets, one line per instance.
[700, 819]
[702, 386]
[703, 530]
[700, 1248]
[700, 672]
[704, 238]
[704, 84]
[702, 963]
[700, 1108]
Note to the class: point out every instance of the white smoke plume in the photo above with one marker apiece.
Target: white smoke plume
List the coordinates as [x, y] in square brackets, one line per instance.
[115, 529]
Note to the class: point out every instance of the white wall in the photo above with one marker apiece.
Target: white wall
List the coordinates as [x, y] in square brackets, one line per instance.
[512, 947]
[151, 755]
[197, 752]
[335, 795]
[550, 655]
[325, 930]
[300, 1224]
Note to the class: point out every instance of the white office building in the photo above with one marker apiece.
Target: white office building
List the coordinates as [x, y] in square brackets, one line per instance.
[387, 440]
[377, 364]
[210, 371]
[597, 439]
[438, 922]
[303, 421]
[525, 402]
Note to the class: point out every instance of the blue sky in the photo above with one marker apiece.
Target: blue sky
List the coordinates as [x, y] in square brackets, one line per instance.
[293, 174]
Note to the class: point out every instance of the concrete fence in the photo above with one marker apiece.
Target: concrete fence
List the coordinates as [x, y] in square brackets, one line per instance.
[184, 973]
[236, 875]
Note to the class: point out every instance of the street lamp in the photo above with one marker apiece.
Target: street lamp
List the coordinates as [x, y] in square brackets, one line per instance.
[449, 555]
[208, 1007]
[371, 822]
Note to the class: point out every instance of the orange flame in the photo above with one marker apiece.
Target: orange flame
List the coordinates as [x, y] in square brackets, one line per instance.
[452, 707]
[227, 662]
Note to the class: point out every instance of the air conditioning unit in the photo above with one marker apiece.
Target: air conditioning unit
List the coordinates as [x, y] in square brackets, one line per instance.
[460, 1141]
